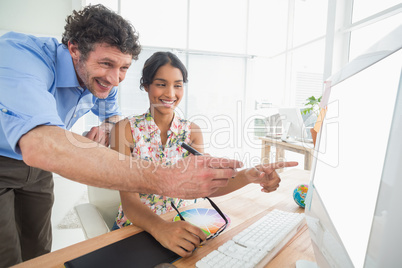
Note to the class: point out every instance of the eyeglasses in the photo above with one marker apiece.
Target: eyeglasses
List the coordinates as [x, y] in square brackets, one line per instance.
[220, 229]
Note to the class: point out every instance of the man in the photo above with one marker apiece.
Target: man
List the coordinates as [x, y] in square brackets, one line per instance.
[44, 88]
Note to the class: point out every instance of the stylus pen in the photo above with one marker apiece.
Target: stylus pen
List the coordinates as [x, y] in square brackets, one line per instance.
[178, 212]
[190, 149]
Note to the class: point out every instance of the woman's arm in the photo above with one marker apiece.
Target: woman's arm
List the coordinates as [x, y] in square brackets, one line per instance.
[265, 175]
[240, 180]
[180, 237]
[196, 138]
[121, 138]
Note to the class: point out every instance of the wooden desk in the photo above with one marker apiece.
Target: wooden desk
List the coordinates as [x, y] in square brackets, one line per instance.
[243, 206]
[302, 148]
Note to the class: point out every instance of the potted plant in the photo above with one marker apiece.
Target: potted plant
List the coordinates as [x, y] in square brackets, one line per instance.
[312, 107]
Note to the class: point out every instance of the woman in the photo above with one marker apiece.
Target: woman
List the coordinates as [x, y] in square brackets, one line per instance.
[156, 136]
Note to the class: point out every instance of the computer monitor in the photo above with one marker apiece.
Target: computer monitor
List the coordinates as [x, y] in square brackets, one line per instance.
[353, 206]
[293, 128]
[309, 120]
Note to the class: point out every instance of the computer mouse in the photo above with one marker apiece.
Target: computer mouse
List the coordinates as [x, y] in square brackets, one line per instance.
[165, 265]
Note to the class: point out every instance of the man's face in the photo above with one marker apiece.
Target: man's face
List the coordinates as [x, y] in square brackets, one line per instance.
[105, 67]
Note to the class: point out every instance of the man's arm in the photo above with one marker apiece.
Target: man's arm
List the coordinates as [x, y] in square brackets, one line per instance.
[80, 159]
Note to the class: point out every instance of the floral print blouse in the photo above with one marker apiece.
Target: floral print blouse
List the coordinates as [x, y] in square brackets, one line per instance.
[148, 146]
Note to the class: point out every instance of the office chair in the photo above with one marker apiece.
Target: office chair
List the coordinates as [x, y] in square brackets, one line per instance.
[97, 217]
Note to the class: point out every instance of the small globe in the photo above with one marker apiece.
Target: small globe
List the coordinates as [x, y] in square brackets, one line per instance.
[299, 194]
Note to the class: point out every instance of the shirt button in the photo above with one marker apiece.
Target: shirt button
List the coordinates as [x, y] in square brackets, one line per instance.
[4, 110]
[75, 115]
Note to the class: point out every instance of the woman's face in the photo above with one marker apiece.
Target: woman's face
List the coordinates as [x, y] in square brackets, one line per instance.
[166, 90]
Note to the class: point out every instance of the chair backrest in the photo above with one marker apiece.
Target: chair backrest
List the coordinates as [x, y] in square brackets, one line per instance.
[107, 202]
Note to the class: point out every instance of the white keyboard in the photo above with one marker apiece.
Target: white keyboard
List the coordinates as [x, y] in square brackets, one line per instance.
[256, 245]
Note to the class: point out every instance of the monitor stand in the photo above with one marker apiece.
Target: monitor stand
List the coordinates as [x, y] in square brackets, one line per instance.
[285, 131]
[305, 264]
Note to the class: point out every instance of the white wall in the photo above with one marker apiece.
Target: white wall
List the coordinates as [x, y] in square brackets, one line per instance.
[40, 17]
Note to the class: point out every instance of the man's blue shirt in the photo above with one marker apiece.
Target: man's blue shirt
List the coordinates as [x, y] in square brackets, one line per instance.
[39, 86]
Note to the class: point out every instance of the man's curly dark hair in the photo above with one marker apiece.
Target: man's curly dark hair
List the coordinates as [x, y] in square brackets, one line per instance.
[98, 24]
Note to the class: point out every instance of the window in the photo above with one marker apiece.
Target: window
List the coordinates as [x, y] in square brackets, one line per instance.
[160, 23]
[363, 38]
[267, 27]
[363, 9]
[238, 53]
[219, 26]
[361, 25]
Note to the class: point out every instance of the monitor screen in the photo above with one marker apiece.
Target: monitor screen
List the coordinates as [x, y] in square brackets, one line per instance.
[309, 119]
[350, 157]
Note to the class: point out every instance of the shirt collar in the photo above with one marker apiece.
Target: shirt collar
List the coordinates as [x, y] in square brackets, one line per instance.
[153, 127]
[175, 127]
[66, 76]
